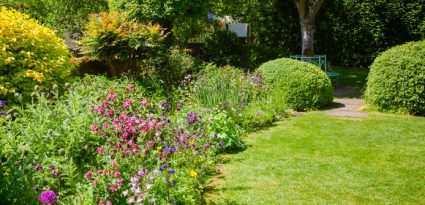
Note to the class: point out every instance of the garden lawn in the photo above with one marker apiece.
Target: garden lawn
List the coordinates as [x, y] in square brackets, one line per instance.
[319, 159]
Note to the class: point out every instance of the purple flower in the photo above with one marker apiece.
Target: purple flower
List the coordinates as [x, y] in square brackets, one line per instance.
[174, 182]
[221, 143]
[2, 113]
[58, 174]
[48, 197]
[172, 171]
[192, 118]
[2, 103]
[206, 145]
[38, 167]
[52, 167]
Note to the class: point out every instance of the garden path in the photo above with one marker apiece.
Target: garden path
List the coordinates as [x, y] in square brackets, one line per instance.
[348, 108]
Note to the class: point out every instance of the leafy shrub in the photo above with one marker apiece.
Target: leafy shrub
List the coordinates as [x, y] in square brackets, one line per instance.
[107, 141]
[113, 38]
[396, 82]
[30, 54]
[258, 114]
[169, 66]
[223, 87]
[296, 84]
[225, 48]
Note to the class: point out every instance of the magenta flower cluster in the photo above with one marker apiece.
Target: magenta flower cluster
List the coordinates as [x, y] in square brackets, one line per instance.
[139, 144]
[48, 197]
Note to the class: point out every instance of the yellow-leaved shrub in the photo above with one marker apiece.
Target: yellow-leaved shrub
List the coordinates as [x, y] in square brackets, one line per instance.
[30, 54]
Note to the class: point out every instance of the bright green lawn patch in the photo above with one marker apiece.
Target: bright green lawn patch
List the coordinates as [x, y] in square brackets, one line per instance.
[318, 159]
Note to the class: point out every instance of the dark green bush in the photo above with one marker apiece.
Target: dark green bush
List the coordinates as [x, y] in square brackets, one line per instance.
[396, 82]
[298, 85]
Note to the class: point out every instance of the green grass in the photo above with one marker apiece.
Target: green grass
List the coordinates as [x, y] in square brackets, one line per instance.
[318, 159]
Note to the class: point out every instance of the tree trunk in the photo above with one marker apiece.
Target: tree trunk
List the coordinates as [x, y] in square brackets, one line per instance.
[307, 13]
[307, 34]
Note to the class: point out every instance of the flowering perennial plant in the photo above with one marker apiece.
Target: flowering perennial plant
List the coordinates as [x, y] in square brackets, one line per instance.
[147, 152]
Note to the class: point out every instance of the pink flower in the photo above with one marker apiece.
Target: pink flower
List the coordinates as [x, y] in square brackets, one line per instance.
[111, 112]
[111, 95]
[99, 171]
[144, 102]
[100, 150]
[150, 116]
[151, 143]
[164, 154]
[100, 109]
[95, 182]
[114, 163]
[94, 128]
[119, 182]
[113, 188]
[131, 87]
[105, 103]
[88, 175]
[105, 125]
[102, 203]
[135, 151]
[127, 103]
[108, 202]
[130, 142]
[115, 122]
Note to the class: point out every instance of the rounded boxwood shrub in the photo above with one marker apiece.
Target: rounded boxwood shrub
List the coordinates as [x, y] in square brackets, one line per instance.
[296, 84]
[396, 82]
[30, 54]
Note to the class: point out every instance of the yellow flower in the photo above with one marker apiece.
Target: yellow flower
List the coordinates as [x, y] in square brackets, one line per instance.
[193, 173]
[195, 161]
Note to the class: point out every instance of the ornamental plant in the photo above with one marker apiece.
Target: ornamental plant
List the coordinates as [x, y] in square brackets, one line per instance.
[30, 54]
[296, 85]
[396, 82]
[112, 37]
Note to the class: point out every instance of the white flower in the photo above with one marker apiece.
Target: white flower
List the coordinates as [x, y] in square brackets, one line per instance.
[131, 200]
[149, 186]
[125, 193]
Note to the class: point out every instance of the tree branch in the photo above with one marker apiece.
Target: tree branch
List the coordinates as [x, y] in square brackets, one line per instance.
[316, 7]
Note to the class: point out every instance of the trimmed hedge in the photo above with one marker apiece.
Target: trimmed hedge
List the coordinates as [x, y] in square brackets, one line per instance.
[396, 82]
[296, 84]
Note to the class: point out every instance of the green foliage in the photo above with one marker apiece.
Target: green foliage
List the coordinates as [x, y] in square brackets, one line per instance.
[396, 82]
[296, 84]
[30, 54]
[260, 113]
[228, 131]
[162, 10]
[353, 33]
[224, 48]
[166, 66]
[65, 16]
[274, 27]
[49, 132]
[119, 42]
[226, 87]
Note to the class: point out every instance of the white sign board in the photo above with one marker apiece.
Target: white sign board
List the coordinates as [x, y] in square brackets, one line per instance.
[240, 29]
